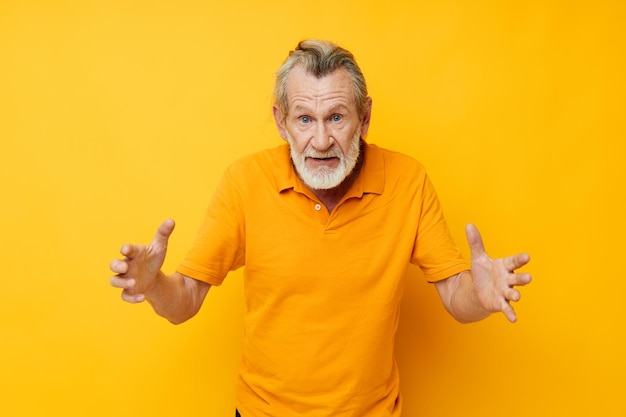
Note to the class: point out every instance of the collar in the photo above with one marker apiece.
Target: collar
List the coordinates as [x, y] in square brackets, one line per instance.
[371, 179]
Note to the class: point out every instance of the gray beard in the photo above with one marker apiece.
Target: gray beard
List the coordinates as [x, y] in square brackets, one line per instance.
[324, 178]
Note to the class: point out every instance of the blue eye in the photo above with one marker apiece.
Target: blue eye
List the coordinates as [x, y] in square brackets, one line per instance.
[305, 119]
[336, 117]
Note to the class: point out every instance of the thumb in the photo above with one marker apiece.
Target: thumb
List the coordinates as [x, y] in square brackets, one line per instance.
[163, 233]
[474, 240]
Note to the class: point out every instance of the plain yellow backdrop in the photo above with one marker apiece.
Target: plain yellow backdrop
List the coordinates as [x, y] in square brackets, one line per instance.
[115, 115]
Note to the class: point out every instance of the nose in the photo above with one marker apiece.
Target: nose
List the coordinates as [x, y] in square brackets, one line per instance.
[322, 139]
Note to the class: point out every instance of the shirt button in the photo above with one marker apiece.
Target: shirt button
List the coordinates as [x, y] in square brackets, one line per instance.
[318, 207]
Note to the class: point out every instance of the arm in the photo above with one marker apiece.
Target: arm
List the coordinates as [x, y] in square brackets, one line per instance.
[488, 288]
[175, 297]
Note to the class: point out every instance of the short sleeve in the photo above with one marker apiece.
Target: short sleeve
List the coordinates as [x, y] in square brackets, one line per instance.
[434, 251]
[219, 246]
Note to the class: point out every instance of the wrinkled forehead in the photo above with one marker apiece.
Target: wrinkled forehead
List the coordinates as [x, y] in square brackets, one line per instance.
[305, 86]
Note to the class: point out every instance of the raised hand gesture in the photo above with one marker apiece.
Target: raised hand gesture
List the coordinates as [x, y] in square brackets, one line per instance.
[488, 288]
[495, 279]
[138, 271]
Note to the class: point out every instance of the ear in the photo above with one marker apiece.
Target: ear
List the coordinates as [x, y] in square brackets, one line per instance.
[280, 122]
[367, 115]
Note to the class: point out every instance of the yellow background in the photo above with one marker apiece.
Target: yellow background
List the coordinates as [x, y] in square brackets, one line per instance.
[115, 115]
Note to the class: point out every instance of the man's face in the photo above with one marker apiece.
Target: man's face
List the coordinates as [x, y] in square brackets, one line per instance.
[323, 127]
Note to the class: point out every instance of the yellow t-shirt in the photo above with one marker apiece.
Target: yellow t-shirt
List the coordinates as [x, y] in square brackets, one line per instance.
[322, 290]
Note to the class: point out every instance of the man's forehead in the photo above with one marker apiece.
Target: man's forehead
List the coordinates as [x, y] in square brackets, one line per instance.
[302, 84]
[331, 105]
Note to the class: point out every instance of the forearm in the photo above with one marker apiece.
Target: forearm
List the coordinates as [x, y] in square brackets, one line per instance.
[460, 298]
[176, 297]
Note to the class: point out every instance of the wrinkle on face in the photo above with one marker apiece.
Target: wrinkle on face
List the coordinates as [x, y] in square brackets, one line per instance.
[322, 126]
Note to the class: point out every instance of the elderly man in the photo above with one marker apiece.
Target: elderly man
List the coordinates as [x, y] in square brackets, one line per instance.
[325, 226]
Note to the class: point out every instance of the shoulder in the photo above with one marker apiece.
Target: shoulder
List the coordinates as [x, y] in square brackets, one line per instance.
[256, 171]
[270, 156]
[395, 164]
[259, 163]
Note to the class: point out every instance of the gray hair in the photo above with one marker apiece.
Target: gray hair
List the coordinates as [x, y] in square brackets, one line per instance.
[320, 58]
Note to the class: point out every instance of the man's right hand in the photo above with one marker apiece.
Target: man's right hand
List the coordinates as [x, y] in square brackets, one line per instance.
[137, 273]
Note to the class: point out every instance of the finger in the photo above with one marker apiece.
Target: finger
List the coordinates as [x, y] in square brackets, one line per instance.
[514, 262]
[129, 251]
[475, 241]
[118, 266]
[124, 283]
[132, 298]
[519, 279]
[509, 312]
[163, 233]
[512, 295]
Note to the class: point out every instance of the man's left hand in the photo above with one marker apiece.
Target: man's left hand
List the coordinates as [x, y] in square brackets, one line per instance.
[495, 279]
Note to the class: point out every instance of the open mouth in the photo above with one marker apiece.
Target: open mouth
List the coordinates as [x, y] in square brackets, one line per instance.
[329, 163]
[326, 160]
